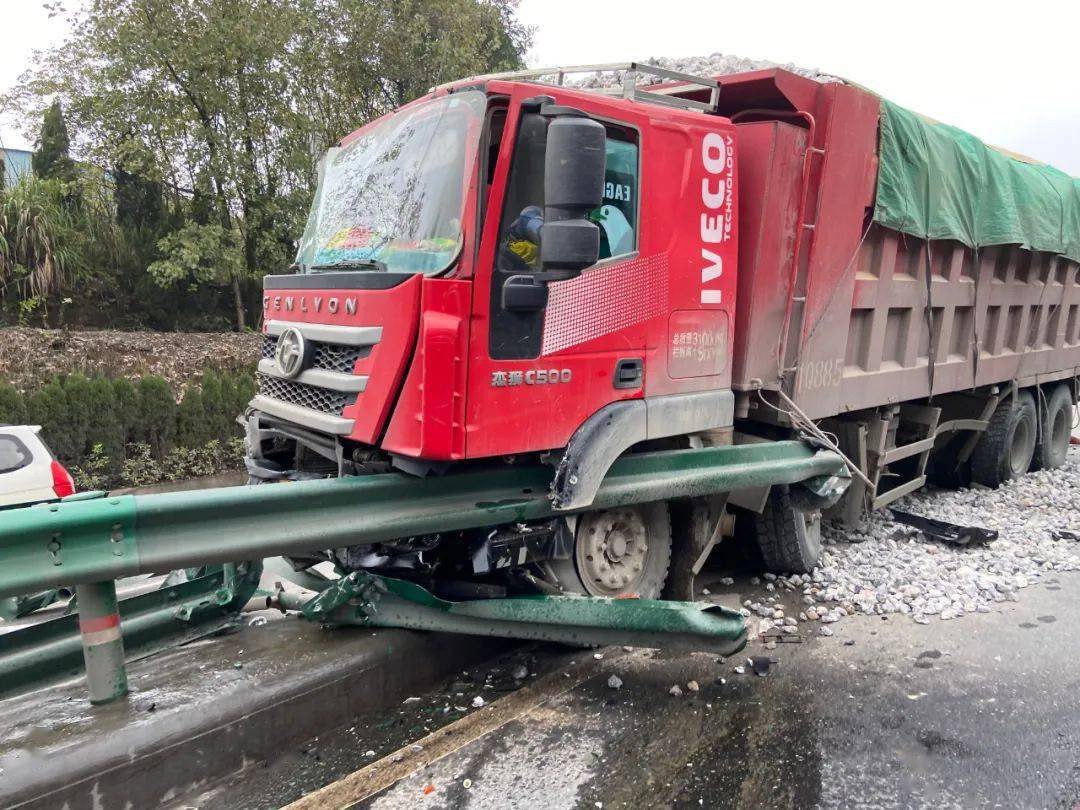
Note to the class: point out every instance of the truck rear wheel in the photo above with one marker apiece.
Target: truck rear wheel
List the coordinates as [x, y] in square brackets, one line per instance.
[619, 552]
[1053, 444]
[1006, 448]
[790, 541]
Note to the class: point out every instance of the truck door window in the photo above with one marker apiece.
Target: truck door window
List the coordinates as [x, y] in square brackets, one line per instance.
[617, 216]
[517, 335]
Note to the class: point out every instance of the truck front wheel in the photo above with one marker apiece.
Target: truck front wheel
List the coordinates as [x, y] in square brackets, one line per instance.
[1006, 448]
[790, 540]
[619, 552]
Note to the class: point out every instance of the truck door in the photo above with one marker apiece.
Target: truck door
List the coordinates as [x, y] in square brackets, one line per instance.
[535, 376]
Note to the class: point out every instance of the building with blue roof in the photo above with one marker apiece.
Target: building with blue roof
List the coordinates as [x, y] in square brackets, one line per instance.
[16, 164]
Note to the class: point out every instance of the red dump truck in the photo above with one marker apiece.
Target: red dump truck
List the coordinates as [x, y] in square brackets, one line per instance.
[515, 269]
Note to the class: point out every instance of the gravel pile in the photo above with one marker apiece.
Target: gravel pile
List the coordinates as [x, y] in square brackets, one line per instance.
[717, 64]
[889, 568]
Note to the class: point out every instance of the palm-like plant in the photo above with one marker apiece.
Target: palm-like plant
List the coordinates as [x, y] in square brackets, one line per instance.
[38, 251]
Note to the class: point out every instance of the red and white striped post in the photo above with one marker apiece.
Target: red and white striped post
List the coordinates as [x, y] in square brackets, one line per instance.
[103, 645]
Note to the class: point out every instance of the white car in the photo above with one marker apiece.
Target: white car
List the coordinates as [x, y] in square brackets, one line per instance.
[28, 472]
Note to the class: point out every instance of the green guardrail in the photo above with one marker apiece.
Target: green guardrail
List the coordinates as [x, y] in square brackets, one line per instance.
[92, 540]
[373, 601]
[188, 605]
[89, 542]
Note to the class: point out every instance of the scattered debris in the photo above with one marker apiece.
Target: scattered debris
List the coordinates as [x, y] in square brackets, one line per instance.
[520, 672]
[693, 686]
[614, 682]
[410, 699]
[466, 783]
[826, 631]
[675, 691]
[886, 568]
[949, 532]
[1064, 534]
[760, 664]
[257, 621]
[429, 789]
[598, 656]
[477, 702]
[740, 670]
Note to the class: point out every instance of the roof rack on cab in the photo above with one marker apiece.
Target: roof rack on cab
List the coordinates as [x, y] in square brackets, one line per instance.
[625, 83]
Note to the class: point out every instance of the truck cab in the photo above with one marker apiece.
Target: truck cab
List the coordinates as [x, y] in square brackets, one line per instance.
[506, 269]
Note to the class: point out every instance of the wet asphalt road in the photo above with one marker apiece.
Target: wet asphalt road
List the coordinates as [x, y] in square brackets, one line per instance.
[983, 711]
[978, 712]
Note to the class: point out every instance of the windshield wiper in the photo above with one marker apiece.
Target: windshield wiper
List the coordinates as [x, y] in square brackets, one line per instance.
[352, 264]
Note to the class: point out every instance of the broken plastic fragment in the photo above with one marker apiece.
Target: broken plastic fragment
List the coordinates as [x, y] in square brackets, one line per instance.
[761, 664]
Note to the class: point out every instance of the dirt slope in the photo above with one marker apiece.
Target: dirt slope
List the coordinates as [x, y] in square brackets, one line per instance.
[30, 357]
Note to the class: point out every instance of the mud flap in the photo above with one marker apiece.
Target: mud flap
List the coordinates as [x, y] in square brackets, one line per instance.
[696, 526]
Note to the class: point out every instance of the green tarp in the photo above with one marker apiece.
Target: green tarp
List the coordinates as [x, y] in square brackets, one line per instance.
[939, 182]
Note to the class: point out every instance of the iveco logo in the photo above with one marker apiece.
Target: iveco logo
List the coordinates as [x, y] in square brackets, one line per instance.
[291, 352]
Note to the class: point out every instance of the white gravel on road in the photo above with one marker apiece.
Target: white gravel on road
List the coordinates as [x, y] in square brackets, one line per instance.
[889, 568]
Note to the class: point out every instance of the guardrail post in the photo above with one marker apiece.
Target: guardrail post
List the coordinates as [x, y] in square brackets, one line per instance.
[103, 645]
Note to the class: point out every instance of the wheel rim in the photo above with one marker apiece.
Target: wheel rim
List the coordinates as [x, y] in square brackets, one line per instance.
[1019, 455]
[611, 551]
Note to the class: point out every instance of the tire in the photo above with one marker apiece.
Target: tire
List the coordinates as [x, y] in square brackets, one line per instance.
[617, 534]
[1006, 448]
[1052, 446]
[790, 541]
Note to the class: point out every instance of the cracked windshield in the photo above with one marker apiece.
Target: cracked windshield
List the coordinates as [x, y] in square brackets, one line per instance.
[393, 198]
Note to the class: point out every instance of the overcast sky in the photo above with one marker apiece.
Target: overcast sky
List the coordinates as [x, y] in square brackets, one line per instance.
[1007, 73]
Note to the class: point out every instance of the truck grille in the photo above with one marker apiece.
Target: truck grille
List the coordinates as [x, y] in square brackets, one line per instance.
[306, 396]
[328, 356]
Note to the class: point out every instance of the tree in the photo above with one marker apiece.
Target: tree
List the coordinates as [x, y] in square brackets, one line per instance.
[157, 415]
[127, 407]
[39, 240]
[80, 407]
[12, 405]
[104, 427]
[139, 204]
[52, 158]
[221, 104]
[191, 424]
[245, 388]
[48, 407]
[216, 406]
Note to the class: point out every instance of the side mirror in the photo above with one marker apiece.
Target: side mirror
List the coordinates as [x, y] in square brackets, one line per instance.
[573, 186]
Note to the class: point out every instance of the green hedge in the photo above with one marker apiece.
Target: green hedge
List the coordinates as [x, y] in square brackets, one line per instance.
[123, 433]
